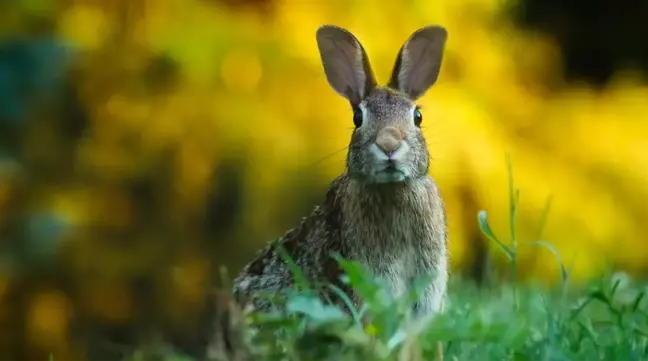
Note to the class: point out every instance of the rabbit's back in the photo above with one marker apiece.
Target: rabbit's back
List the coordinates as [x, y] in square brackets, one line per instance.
[309, 245]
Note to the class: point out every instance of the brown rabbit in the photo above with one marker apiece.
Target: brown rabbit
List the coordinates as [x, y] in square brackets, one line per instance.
[384, 211]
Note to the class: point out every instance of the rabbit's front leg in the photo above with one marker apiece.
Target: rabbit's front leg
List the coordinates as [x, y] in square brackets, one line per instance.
[431, 302]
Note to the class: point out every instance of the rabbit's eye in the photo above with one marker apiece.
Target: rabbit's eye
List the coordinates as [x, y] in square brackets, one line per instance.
[418, 117]
[357, 117]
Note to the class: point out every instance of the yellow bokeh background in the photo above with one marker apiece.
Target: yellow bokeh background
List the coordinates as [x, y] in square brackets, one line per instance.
[247, 96]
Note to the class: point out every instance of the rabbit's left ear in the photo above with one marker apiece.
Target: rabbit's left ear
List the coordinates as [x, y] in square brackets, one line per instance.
[419, 61]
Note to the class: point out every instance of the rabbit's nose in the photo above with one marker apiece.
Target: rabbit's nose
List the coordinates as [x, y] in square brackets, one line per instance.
[389, 139]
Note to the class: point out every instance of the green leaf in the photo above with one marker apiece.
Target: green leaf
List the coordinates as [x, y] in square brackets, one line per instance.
[347, 302]
[371, 289]
[396, 339]
[314, 309]
[578, 309]
[599, 295]
[544, 217]
[485, 228]
[615, 287]
[563, 271]
[637, 301]
[300, 278]
[514, 196]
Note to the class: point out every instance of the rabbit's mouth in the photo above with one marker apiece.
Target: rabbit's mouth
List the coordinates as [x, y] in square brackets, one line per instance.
[389, 168]
[391, 173]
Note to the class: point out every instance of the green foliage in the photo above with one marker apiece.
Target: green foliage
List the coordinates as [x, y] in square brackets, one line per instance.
[605, 321]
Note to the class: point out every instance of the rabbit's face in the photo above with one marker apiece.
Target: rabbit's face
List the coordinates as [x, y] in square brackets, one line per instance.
[387, 144]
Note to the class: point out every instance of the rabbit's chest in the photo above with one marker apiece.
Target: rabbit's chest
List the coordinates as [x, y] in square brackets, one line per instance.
[398, 252]
[399, 270]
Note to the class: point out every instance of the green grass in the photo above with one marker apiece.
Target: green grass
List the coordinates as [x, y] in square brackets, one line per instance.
[604, 320]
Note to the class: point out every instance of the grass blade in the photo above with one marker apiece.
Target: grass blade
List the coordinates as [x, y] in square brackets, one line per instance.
[488, 232]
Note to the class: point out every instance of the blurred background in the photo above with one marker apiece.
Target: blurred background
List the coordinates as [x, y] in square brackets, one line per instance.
[146, 143]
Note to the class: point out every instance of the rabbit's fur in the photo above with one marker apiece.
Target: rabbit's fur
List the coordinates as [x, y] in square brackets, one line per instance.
[384, 211]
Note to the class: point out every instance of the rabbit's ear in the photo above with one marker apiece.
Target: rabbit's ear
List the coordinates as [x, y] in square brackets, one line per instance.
[345, 63]
[419, 61]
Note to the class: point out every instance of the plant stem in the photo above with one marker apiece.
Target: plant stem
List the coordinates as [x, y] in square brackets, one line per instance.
[514, 195]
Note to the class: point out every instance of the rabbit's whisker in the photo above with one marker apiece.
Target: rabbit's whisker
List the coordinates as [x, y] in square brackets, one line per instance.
[328, 156]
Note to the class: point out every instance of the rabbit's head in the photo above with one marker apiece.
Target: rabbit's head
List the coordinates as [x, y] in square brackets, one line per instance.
[387, 144]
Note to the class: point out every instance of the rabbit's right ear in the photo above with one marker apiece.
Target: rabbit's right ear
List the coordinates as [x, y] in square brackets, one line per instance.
[345, 63]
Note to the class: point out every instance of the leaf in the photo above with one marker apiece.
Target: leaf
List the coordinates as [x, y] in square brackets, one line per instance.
[370, 288]
[544, 217]
[615, 287]
[578, 309]
[347, 301]
[356, 275]
[314, 309]
[563, 271]
[298, 275]
[637, 301]
[514, 196]
[640, 332]
[396, 339]
[485, 228]
[588, 331]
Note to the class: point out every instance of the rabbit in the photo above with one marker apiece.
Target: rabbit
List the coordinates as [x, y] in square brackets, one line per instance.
[384, 211]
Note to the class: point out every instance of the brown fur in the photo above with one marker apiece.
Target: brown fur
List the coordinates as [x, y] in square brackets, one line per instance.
[393, 223]
[397, 230]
